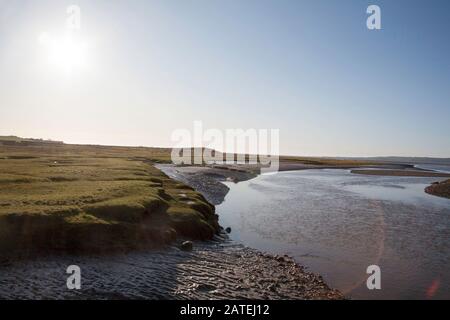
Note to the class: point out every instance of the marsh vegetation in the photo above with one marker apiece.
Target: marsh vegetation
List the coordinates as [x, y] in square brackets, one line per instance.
[78, 198]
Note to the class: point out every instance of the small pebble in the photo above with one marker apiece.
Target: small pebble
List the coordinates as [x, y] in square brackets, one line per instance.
[187, 246]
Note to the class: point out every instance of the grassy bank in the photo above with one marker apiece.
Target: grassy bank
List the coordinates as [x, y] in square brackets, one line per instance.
[440, 189]
[78, 198]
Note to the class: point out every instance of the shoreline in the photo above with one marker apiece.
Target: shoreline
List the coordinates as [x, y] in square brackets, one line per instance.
[208, 181]
[217, 269]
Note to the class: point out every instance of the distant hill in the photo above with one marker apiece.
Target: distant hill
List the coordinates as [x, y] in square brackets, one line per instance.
[15, 140]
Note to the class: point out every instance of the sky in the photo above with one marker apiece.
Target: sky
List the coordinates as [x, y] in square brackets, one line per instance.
[312, 69]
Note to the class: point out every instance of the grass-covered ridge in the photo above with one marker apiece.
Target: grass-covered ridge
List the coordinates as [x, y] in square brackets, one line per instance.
[94, 198]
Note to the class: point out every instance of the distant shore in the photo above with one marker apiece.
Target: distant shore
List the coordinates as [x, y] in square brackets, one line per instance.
[402, 173]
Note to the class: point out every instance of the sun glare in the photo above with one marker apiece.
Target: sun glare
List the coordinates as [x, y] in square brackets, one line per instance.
[67, 53]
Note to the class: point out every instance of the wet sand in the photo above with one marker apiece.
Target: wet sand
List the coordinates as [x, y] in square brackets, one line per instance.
[207, 180]
[402, 173]
[217, 269]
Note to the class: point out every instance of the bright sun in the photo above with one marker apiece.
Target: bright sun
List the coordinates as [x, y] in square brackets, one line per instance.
[67, 53]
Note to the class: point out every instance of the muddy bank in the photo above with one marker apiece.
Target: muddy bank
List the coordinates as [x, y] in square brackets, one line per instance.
[401, 173]
[293, 165]
[80, 203]
[440, 189]
[213, 270]
[207, 180]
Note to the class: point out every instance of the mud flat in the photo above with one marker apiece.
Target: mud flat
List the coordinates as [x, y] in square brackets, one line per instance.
[213, 270]
[401, 173]
[208, 180]
[440, 189]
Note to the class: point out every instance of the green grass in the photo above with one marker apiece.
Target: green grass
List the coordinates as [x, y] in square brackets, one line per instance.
[90, 197]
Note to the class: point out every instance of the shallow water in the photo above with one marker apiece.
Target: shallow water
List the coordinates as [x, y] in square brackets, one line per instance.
[337, 224]
[435, 167]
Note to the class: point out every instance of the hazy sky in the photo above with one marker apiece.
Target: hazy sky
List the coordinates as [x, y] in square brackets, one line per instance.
[309, 68]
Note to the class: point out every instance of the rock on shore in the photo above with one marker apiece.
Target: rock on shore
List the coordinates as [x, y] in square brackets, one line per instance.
[440, 189]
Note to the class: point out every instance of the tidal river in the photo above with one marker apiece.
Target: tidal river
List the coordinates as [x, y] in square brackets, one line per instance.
[337, 224]
[331, 221]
